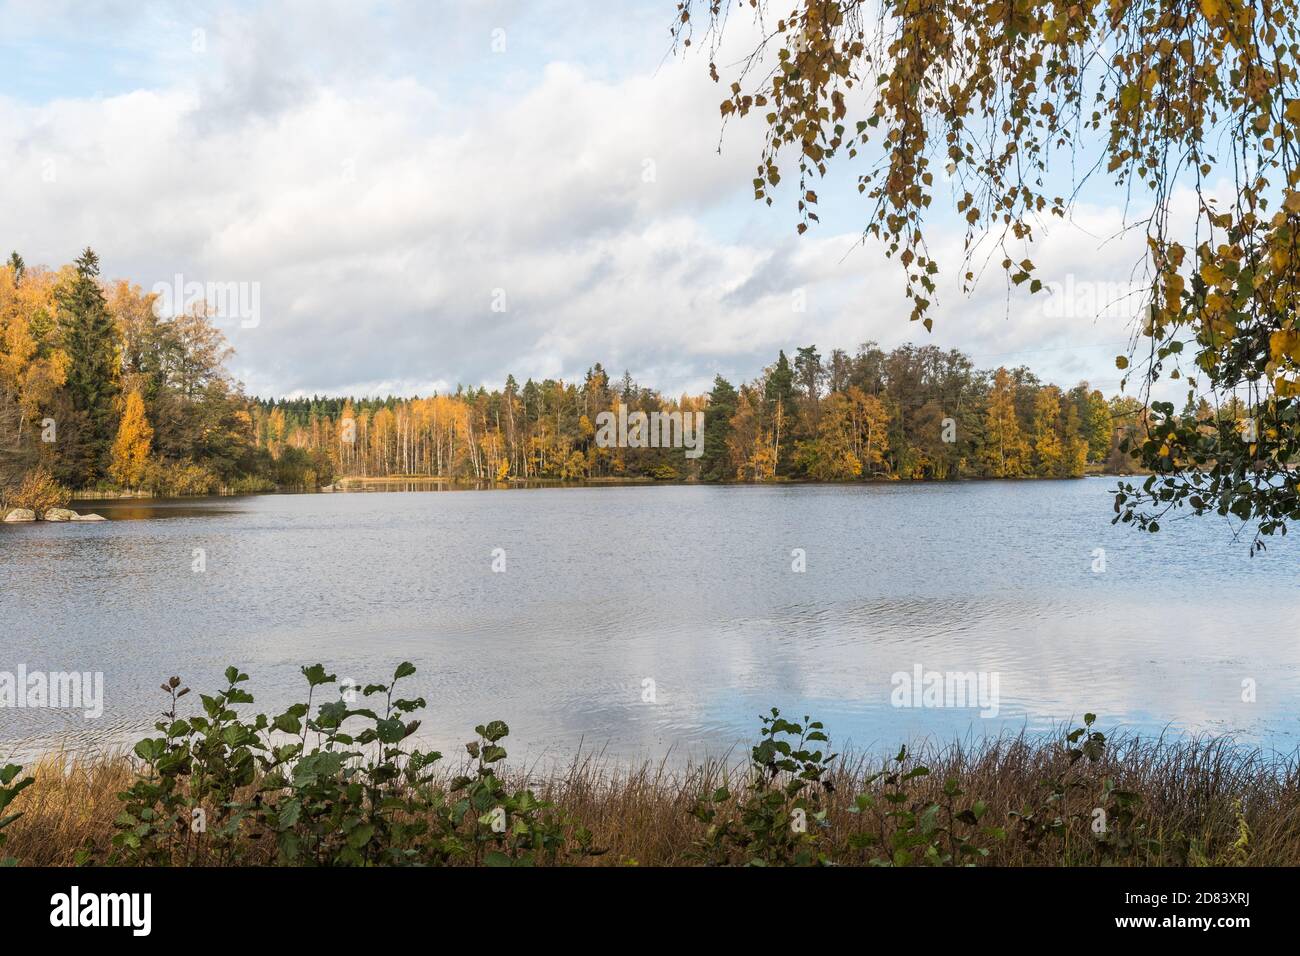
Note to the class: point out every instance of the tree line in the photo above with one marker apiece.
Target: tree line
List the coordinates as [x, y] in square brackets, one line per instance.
[100, 392]
[914, 412]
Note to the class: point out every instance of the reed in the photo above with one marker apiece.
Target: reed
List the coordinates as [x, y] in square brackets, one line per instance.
[1203, 800]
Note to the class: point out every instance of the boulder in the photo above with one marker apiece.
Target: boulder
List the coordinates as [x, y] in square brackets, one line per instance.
[59, 514]
[89, 518]
[20, 514]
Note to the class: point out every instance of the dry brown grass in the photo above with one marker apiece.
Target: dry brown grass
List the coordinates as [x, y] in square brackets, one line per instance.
[1199, 796]
[1196, 795]
[73, 800]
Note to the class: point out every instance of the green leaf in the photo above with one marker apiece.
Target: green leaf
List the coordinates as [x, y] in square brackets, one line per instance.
[361, 835]
[290, 811]
[316, 675]
[404, 669]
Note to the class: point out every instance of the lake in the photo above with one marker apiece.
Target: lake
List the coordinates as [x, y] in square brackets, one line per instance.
[646, 621]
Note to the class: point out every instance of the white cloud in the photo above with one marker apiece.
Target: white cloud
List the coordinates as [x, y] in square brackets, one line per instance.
[379, 202]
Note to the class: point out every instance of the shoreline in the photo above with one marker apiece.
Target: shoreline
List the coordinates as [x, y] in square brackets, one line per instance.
[359, 483]
[415, 484]
[1198, 801]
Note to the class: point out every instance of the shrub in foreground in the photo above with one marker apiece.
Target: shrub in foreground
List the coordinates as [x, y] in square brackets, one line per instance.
[337, 782]
[299, 788]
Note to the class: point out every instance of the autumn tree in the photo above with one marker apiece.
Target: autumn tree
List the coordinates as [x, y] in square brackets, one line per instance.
[33, 365]
[131, 447]
[753, 453]
[829, 456]
[932, 454]
[1005, 449]
[1096, 424]
[1074, 449]
[869, 424]
[1047, 451]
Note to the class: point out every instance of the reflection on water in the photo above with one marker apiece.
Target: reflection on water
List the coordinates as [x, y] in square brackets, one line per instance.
[138, 509]
[689, 587]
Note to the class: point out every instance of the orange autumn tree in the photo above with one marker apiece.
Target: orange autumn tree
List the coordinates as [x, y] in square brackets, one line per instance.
[131, 447]
[1016, 108]
[33, 366]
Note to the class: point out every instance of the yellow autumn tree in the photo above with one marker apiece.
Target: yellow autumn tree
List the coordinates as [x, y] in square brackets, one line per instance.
[1047, 443]
[131, 448]
[1005, 451]
[1074, 451]
[870, 429]
[752, 450]
[33, 366]
[831, 456]
[574, 467]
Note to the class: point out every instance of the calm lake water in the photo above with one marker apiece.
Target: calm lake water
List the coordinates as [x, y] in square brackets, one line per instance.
[606, 588]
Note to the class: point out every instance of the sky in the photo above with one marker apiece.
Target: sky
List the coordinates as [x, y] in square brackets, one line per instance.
[420, 195]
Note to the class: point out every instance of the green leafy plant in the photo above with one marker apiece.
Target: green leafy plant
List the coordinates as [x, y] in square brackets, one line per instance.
[917, 830]
[781, 817]
[10, 786]
[331, 786]
[1073, 818]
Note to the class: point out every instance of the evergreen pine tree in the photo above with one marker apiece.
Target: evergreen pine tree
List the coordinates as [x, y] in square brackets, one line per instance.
[714, 463]
[89, 337]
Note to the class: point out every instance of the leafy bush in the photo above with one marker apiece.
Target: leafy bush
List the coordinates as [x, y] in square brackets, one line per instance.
[297, 468]
[178, 479]
[780, 818]
[304, 788]
[248, 485]
[1071, 808]
[39, 492]
[940, 832]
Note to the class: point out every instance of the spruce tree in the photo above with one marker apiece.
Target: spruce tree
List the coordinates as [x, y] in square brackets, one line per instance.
[714, 463]
[89, 337]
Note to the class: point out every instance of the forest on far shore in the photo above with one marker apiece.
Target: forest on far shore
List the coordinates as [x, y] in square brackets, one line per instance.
[915, 412]
[99, 392]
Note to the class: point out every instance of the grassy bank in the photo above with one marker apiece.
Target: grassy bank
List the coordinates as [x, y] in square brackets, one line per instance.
[220, 789]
